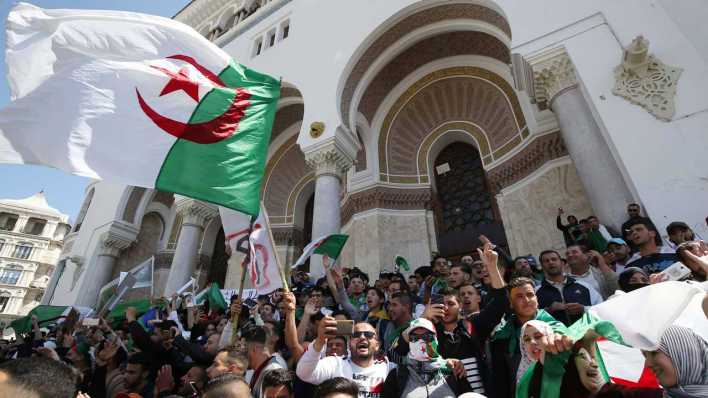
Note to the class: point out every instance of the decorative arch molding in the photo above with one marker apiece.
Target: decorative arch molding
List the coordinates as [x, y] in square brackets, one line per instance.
[286, 117]
[445, 135]
[130, 207]
[419, 16]
[443, 100]
[285, 177]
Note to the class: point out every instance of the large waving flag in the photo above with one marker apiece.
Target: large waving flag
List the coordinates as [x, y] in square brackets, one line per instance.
[135, 99]
[328, 245]
[263, 268]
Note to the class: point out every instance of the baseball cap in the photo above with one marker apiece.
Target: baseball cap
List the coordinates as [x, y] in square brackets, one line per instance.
[419, 323]
[617, 241]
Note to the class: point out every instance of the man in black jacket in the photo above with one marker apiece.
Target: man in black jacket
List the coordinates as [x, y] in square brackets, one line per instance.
[562, 296]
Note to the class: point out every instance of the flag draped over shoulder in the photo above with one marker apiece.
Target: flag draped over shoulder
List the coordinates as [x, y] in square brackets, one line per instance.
[263, 265]
[135, 99]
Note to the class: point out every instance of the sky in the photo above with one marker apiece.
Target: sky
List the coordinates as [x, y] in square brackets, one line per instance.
[64, 191]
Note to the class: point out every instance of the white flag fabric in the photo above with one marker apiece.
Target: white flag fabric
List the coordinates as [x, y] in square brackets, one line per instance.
[263, 268]
[643, 315]
[78, 71]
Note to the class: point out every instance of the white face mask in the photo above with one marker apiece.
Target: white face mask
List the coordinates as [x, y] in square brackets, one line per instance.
[419, 351]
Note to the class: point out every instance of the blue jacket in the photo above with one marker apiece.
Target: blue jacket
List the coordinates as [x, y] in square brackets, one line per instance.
[573, 292]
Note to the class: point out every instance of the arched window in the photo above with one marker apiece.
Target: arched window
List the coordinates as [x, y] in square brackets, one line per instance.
[23, 250]
[4, 300]
[84, 209]
[10, 275]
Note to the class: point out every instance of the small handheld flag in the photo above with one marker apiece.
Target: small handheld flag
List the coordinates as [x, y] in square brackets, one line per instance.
[401, 263]
[329, 245]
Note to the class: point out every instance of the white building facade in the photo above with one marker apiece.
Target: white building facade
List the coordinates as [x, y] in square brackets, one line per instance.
[31, 240]
[414, 126]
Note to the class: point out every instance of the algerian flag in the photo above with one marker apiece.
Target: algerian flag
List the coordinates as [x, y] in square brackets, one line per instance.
[401, 263]
[329, 245]
[214, 295]
[135, 99]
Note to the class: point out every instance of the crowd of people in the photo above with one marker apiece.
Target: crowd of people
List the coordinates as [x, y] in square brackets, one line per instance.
[484, 326]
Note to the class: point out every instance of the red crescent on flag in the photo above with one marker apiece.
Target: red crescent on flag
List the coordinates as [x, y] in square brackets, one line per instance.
[215, 130]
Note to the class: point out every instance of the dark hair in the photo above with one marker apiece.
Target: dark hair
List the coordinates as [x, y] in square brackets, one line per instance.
[649, 225]
[404, 297]
[337, 385]
[255, 334]
[403, 283]
[378, 291]
[140, 358]
[337, 311]
[278, 377]
[317, 289]
[464, 267]
[520, 281]
[218, 387]
[519, 258]
[424, 271]
[583, 247]
[42, 376]
[543, 253]
[437, 256]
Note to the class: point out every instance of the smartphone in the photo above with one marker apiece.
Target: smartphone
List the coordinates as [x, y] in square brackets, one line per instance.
[676, 272]
[345, 328]
[91, 321]
[437, 298]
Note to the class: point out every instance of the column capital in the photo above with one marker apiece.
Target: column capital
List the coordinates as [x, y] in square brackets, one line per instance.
[196, 213]
[553, 73]
[333, 155]
[120, 236]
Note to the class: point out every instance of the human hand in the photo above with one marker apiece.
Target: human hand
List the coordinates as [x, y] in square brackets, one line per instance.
[326, 328]
[47, 353]
[556, 343]
[235, 308]
[597, 258]
[560, 211]
[658, 278]
[557, 306]
[311, 308]
[325, 261]
[290, 303]
[337, 277]
[35, 320]
[488, 256]
[458, 368]
[434, 312]
[429, 280]
[164, 380]
[109, 351]
[574, 308]
[82, 395]
[131, 314]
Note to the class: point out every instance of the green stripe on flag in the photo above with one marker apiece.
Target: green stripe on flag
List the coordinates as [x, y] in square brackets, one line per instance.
[228, 172]
[332, 246]
[402, 263]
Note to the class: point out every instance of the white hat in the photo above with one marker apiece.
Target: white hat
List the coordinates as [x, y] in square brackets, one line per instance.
[419, 323]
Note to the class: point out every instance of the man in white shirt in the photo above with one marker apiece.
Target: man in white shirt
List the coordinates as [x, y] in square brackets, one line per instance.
[361, 366]
[590, 268]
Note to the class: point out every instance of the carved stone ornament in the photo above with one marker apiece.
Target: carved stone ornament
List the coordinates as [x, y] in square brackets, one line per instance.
[644, 80]
[552, 76]
[196, 213]
[328, 160]
[317, 129]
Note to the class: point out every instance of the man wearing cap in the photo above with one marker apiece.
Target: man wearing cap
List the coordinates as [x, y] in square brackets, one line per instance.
[424, 372]
[361, 366]
[620, 252]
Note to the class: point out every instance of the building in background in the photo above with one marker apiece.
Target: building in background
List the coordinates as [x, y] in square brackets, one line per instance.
[31, 240]
[413, 126]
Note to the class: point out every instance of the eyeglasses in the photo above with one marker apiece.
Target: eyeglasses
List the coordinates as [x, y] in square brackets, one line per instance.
[368, 335]
[428, 337]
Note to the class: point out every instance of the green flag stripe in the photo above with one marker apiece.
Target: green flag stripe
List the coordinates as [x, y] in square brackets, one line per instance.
[332, 246]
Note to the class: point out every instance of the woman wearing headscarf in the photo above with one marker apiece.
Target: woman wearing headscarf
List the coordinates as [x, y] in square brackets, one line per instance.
[632, 279]
[425, 373]
[534, 334]
[681, 363]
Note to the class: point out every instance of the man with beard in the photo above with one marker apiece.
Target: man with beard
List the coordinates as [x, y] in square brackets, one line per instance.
[361, 366]
[562, 296]
[465, 339]
[400, 312]
[136, 375]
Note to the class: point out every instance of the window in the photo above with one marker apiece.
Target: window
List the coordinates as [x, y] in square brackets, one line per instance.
[8, 221]
[285, 30]
[10, 276]
[22, 250]
[4, 299]
[271, 38]
[34, 226]
[258, 47]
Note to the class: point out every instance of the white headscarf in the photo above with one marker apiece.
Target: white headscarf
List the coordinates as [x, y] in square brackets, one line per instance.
[526, 361]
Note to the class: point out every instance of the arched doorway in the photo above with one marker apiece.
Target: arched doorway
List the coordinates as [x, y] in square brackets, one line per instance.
[464, 206]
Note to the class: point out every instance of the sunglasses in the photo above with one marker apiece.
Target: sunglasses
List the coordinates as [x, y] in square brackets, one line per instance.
[428, 337]
[368, 335]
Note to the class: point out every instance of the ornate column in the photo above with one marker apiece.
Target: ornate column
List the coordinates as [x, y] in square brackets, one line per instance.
[120, 236]
[556, 86]
[195, 215]
[330, 159]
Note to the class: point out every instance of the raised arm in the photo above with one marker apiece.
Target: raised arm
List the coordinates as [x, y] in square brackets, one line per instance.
[291, 336]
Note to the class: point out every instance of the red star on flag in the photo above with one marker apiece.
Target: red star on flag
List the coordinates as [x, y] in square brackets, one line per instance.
[180, 81]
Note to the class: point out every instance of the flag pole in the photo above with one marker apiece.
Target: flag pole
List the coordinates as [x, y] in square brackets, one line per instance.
[281, 271]
[244, 263]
